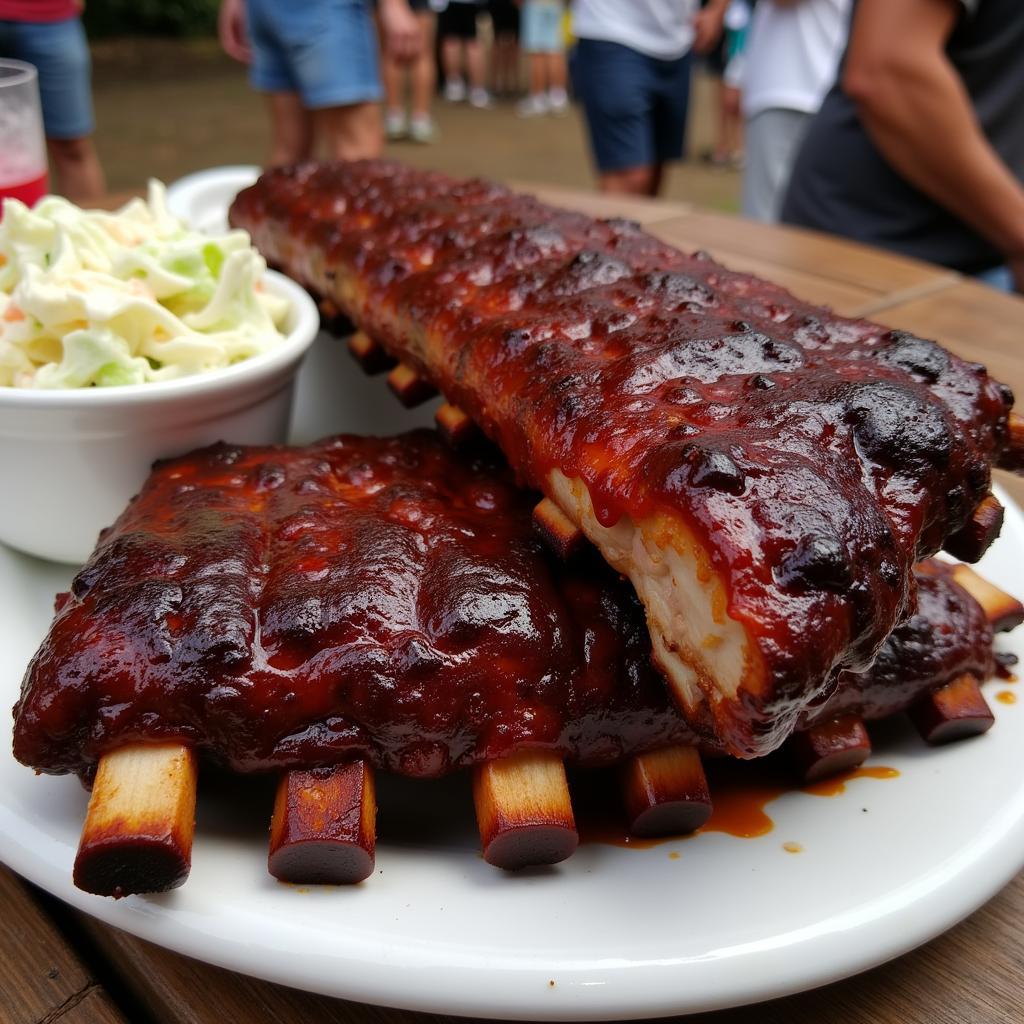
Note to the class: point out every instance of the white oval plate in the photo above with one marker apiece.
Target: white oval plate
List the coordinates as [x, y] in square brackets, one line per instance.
[613, 933]
[202, 198]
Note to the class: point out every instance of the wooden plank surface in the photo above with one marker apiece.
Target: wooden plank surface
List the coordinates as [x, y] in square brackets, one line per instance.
[42, 979]
[594, 204]
[798, 249]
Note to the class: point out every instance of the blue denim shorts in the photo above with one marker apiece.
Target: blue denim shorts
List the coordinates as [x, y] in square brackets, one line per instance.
[324, 50]
[635, 105]
[60, 53]
[540, 29]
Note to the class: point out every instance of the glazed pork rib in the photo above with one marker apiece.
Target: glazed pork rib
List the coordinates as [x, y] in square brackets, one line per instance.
[765, 472]
[360, 603]
[369, 604]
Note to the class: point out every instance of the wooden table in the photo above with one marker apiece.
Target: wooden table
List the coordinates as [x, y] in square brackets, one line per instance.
[59, 965]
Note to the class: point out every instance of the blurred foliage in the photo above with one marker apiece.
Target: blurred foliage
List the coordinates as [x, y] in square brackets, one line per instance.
[106, 18]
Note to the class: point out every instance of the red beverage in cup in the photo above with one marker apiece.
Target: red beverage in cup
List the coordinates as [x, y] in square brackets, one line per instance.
[29, 192]
[22, 145]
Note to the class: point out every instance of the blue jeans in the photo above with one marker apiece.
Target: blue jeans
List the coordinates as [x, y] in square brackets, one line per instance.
[60, 53]
[324, 50]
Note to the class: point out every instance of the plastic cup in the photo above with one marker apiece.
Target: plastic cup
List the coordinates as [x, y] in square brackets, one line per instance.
[22, 142]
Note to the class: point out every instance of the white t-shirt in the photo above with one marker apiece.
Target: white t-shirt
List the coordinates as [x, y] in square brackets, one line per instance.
[657, 28]
[792, 54]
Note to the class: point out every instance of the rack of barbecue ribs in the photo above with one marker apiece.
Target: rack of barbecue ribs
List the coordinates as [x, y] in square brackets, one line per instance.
[765, 473]
[367, 605]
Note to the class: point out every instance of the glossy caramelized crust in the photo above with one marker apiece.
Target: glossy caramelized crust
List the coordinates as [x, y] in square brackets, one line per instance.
[765, 472]
[281, 607]
[948, 636]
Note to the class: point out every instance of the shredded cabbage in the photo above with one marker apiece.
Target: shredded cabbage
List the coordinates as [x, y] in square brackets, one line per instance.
[96, 299]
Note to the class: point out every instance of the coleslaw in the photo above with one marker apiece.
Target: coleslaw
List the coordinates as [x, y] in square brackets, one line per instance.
[92, 298]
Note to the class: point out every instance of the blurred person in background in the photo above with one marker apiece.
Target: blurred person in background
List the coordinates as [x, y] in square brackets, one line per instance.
[632, 74]
[505, 23]
[919, 148]
[462, 52]
[544, 45]
[317, 63]
[422, 77]
[726, 61]
[791, 60]
[49, 35]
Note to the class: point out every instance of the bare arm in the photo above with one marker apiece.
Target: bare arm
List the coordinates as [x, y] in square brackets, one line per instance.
[403, 36]
[232, 31]
[914, 106]
[707, 25]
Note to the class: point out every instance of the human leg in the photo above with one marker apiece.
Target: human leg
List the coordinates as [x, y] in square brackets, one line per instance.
[61, 55]
[423, 72]
[476, 70]
[613, 84]
[331, 51]
[350, 132]
[291, 129]
[773, 138]
[391, 73]
[669, 83]
[558, 97]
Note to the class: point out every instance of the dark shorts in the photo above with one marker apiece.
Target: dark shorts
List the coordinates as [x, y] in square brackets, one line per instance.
[504, 17]
[458, 20]
[635, 105]
[61, 56]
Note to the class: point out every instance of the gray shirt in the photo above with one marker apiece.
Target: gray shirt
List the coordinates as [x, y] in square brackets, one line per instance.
[842, 184]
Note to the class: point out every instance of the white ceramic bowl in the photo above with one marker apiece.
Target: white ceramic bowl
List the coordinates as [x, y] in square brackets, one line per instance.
[71, 459]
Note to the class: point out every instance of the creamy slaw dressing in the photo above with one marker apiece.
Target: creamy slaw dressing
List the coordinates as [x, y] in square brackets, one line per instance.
[91, 298]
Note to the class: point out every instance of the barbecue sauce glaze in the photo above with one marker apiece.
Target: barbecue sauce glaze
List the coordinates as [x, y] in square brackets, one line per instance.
[815, 457]
[286, 607]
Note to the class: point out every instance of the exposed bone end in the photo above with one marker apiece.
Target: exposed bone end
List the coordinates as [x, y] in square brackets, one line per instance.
[830, 747]
[409, 386]
[455, 426]
[332, 320]
[371, 356]
[324, 826]
[972, 540]
[137, 835]
[524, 811]
[666, 792]
[1012, 455]
[1003, 611]
[952, 712]
[560, 533]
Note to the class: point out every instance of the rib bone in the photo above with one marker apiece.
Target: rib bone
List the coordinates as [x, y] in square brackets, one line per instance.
[523, 810]
[137, 835]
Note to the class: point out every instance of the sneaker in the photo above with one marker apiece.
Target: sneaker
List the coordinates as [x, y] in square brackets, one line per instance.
[395, 125]
[535, 105]
[558, 102]
[455, 90]
[421, 129]
[480, 98]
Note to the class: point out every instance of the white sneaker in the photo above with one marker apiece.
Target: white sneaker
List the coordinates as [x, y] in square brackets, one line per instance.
[395, 125]
[421, 129]
[558, 102]
[535, 105]
[455, 90]
[480, 98]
